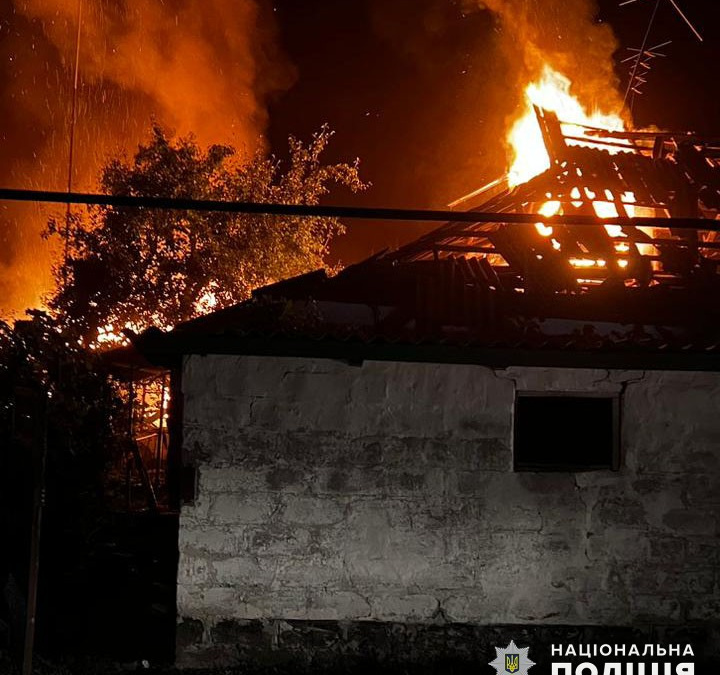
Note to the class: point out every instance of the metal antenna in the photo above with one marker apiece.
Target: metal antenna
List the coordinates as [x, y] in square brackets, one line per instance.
[641, 52]
[73, 120]
[678, 9]
[642, 57]
[686, 20]
[642, 65]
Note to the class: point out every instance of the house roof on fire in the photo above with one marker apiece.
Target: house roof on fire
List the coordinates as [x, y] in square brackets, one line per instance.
[508, 294]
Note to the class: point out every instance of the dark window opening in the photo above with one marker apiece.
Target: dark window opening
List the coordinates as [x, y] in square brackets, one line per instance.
[566, 432]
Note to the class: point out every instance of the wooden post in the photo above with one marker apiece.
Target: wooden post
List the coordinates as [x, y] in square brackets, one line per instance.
[161, 431]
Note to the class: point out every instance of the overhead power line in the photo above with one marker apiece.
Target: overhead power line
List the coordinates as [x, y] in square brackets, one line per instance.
[353, 212]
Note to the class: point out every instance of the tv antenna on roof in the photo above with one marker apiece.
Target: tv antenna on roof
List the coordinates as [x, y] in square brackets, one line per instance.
[641, 65]
[678, 9]
[641, 58]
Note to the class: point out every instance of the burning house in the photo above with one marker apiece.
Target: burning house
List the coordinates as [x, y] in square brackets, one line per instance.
[497, 431]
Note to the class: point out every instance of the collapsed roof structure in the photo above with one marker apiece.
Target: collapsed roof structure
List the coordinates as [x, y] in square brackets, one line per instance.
[561, 289]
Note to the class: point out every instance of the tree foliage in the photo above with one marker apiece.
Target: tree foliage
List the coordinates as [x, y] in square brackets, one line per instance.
[54, 390]
[82, 407]
[141, 267]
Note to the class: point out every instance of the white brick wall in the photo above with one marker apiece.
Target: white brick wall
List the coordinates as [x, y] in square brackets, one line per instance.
[328, 491]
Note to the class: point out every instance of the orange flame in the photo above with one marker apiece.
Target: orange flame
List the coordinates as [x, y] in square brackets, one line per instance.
[551, 92]
[530, 158]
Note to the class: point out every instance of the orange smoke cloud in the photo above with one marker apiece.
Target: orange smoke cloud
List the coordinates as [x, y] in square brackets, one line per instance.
[200, 66]
[204, 66]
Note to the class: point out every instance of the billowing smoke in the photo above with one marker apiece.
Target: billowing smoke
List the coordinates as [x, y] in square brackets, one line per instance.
[565, 35]
[200, 66]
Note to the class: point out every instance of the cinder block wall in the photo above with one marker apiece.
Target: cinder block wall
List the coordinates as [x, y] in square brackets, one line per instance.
[385, 493]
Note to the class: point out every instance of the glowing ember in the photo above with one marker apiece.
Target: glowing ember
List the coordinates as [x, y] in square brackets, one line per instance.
[111, 336]
[587, 263]
[206, 303]
[547, 209]
[552, 93]
[605, 210]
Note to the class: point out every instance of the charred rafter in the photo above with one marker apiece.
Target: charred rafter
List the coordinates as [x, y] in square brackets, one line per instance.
[648, 174]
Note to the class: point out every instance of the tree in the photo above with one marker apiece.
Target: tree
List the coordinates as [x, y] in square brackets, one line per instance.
[136, 267]
[83, 407]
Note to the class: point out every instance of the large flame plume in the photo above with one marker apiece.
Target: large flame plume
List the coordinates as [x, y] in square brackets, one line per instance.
[200, 66]
[551, 92]
[562, 60]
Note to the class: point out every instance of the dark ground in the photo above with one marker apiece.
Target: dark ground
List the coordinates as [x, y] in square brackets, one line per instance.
[112, 599]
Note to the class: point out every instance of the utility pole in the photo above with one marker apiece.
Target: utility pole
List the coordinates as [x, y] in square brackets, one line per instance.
[73, 121]
[30, 422]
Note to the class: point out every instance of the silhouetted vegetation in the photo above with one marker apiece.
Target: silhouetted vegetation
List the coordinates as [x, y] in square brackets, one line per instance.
[139, 267]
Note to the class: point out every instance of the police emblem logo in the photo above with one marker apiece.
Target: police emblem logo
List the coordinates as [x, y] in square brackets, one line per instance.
[512, 663]
[512, 659]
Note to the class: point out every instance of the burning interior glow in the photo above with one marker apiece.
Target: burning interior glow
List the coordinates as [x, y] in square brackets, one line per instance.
[579, 126]
[111, 335]
[207, 302]
[551, 92]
